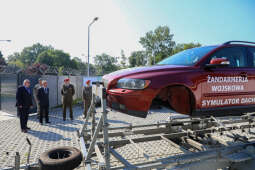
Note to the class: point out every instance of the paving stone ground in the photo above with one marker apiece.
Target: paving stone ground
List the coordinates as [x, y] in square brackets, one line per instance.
[57, 133]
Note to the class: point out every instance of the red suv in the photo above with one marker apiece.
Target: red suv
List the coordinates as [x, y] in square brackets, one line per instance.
[214, 80]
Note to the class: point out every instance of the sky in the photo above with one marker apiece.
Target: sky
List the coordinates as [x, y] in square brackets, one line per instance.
[64, 23]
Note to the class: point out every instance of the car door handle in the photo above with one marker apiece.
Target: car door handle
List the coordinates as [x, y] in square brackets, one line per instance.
[243, 74]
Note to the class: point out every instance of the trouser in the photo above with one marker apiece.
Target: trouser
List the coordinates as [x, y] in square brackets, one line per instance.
[38, 109]
[45, 110]
[23, 117]
[87, 103]
[64, 110]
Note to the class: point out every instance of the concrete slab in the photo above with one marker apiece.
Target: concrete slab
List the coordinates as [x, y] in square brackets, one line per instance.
[6, 116]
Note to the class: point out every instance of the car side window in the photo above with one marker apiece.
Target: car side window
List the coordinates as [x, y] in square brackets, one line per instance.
[251, 54]
[235, 56]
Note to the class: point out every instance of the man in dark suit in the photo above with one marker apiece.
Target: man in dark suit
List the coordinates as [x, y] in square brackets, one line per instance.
[23, 103]
[43, 99]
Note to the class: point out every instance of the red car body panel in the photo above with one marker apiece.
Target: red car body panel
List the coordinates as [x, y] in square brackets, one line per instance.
[209, 90]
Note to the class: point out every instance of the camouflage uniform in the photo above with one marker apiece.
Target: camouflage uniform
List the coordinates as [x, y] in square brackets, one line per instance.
[35, 93]
[67, 99]
[87, 96]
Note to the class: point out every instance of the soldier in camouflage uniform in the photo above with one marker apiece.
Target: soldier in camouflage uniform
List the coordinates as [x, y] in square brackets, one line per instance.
[87, 96]
[35, 93]
[67, 92]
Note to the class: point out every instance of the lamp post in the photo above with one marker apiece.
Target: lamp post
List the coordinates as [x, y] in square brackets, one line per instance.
[6, 40]
[95, 19]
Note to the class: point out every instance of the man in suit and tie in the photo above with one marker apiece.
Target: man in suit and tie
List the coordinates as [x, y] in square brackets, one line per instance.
[43, 99]
[23, 103]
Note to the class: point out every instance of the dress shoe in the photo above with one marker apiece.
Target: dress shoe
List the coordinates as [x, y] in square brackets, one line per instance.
[28, 128]
[24, 130]
[48, 122]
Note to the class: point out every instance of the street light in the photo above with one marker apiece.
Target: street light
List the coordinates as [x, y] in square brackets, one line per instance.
[6, 40]
[95, 19]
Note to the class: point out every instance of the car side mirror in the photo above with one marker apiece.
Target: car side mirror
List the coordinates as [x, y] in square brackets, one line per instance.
[218, 62]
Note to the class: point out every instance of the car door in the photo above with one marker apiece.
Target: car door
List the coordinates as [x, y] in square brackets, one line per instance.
[227, 86]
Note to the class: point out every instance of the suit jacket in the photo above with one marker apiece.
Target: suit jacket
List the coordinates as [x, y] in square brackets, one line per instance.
[23, 97]
[43, 97]
[67, 93]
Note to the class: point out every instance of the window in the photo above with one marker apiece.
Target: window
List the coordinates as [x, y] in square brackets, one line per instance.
[187, 57]
[251, 54]
[235, 56]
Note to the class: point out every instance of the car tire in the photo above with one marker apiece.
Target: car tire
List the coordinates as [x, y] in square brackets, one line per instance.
[60, 158]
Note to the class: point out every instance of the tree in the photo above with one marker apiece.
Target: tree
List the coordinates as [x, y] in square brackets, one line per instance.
[185, 46]
[158, 44]
[45, 57]
[29, 55]
[2, 60]
[56, 58]
[137, 58]
[105, 64]
[80, 65]
[123, 61]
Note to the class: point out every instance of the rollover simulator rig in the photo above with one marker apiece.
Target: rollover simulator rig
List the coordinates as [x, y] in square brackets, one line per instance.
[177, 143]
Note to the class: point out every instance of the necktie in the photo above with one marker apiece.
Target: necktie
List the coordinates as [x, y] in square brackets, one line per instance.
[28, 90]
[45, 90]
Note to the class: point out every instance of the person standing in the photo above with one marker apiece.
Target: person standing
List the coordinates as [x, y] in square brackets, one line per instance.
[43, 100]
[87, 96]
[23, 103]
[35, 93]
[67, 92]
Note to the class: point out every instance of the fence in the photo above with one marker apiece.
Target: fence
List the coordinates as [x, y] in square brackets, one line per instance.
[9, 83]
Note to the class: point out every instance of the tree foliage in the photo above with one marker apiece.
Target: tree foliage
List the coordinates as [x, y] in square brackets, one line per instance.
[29, 55]
[105, 63]
[39, 53]
[158, 44]
[180, 47]
[137, 58]
[123, 60]
[2, 60]
[56, 58]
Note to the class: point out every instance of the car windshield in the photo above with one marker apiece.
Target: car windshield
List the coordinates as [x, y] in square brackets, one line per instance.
[187, 57]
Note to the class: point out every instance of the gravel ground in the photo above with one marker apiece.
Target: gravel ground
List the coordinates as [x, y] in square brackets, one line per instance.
[58, 133]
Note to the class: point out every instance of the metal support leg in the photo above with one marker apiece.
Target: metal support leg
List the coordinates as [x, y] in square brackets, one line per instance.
[29, 152]
[91, 112]
[105, 130]
[17, 161]
[92, 144]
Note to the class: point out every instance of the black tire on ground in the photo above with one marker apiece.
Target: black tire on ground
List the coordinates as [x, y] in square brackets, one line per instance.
[60, 158]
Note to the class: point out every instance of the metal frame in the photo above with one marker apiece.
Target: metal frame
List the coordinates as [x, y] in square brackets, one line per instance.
[104, 158]
[186, 129]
